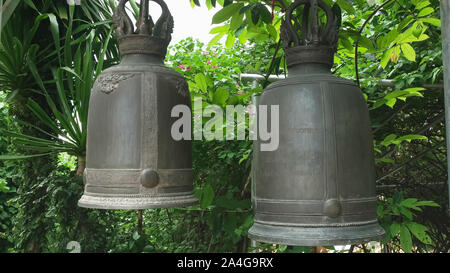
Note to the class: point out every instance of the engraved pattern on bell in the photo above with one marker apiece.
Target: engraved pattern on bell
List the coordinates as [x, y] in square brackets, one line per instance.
[110, 82]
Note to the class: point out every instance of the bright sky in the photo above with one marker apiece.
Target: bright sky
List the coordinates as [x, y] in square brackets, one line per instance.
[189, 22]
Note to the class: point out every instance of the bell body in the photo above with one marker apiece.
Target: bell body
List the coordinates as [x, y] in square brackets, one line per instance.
[318, 187]
[132, 160]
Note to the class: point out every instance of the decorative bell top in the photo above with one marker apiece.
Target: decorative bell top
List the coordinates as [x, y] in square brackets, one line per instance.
[148, 38]
[310, 42]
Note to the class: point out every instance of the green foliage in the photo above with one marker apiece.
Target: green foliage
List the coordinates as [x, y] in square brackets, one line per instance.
[73, 83]
[251, 20]
[397, 215]
[46, 75]
[70, 162]
[401, 41]
[392, 98]
[221, 168]
[7, 187]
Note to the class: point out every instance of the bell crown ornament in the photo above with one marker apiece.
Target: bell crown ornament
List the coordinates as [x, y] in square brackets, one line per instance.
[310, 42]
[148, 37]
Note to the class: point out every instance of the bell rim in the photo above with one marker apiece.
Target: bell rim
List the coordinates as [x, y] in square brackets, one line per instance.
[315, 236]
[136, 203]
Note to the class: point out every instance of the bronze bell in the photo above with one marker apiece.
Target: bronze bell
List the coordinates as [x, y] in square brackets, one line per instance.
[318, 187]
[132, 160]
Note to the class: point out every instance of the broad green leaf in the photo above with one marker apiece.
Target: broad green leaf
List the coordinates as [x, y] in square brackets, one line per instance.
[366, 43]
[394, 229]
[385, 42]
[432, 21]
[226, 13]
[408, 202]
[265, 14]
[409, 52]
[391, 103]
[247, 8]
[415, 31]
[255, 14]
[395, 94]
[422, 5]
[221, 96]
[427, 203]
[216, 39]
[346, 6]
[386, 58]
[219, 29]
[209, 81]
[388, 140]
[200, 81]
[206, 196]
[406, 212]
[236, 21]
[419, 231]
[409, 138]
[229, 43]
[425, 12]
[415, 89]
[412, 38]
[272, 31]
[405, 22]
[418, 30]
[346, 44]
[243, 36]
[405, 239]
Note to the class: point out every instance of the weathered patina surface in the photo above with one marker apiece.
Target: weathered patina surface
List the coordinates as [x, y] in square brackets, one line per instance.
[318, 187]
[132, 160]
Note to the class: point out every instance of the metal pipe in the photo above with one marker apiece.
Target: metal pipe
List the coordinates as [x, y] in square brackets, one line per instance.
[258, 77]
[384, 83]
[445, 19]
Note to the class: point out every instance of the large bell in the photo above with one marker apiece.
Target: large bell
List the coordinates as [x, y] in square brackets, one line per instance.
[132, 160]
[318, 187]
